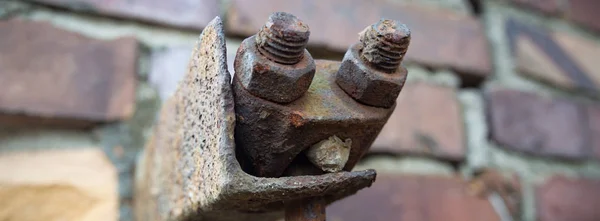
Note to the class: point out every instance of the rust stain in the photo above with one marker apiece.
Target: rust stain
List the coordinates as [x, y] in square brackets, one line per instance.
[296, 119]
[261, 68]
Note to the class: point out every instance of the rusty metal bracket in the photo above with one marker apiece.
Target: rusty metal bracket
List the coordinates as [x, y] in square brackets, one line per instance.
[191, 168]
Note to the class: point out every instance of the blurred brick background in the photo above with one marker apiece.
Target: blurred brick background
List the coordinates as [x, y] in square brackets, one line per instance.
[500, 116]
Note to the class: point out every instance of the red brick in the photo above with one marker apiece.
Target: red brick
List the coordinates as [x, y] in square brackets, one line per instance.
[583, 53]
[561, 198]
[181, 13]
[537, 125]
[415, 198]
[582, 12]
[557, 58]
[594, 124]
[48, 75]
[427, 121]
[585, 12]
[545, 6]
[440, 38]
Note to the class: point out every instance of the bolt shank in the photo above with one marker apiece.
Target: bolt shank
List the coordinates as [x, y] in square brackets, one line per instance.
[312, 209]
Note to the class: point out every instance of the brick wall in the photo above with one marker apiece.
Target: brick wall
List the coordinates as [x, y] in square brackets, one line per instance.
[500, 116]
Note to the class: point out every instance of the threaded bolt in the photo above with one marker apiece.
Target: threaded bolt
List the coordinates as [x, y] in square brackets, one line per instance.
[384, 44]
[283, 38]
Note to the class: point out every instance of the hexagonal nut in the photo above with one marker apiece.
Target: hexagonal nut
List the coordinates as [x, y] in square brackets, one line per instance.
[366, 84]
[270, 80]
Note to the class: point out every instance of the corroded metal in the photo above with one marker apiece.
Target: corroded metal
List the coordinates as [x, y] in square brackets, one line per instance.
[368, 85]
[283, 39]
[310, 209]
[270, 80]
[272, 135]
[287, 128]
[384, 44]
[274, 64]
[371, 72]
[189, 170]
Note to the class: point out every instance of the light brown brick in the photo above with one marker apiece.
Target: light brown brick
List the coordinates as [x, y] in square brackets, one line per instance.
[427, 121]
[69, 185]
[48, 75]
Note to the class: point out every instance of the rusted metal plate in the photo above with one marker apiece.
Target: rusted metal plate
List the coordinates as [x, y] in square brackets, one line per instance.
[272, 135]
[189, 169]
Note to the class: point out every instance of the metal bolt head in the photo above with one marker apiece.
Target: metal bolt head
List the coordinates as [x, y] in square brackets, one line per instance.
[368, 85]
[270, 80]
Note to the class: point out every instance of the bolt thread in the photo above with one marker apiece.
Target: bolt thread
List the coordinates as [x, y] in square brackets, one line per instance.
[283, 38]
[384, 44]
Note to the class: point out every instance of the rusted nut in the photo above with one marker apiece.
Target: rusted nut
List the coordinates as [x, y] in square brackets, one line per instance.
[371, 72]
[366, 84]
[274, 64]
[270, 80]
[384, 44]
[283, 39]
